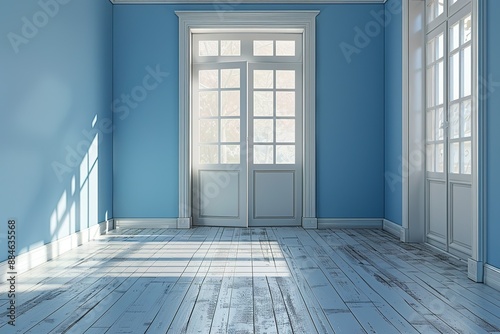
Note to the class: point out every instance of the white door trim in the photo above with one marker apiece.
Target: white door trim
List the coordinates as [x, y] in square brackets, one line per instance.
[304, 21]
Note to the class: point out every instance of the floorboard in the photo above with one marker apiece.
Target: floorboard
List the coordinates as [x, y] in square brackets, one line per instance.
[257, 280]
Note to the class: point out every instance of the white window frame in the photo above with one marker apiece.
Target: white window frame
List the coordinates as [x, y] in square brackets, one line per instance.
[209, 21]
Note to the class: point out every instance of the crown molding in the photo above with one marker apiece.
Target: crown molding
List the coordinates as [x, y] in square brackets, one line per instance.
[180, 2]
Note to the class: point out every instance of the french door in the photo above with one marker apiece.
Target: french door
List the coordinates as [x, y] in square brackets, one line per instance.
[449, 117]
[246, 135]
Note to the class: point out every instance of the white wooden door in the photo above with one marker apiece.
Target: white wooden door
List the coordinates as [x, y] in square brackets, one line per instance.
[275, 144]
[449, 118]
[219, 170]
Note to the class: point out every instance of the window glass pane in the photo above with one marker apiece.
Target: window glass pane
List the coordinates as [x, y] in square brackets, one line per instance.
[440, 158]
[454, 121]
[263, 154]
[209, 131]
[285, 154]
[209, 154]
[230, 48]
[431, 125]
[209, 79]
[466, 119]
[285, 103]
[467, 26]
[263, 48]
[230, 78]
[455, 77]
[467, 72]
[454, 158]
[230, 101]
[285, 130]
[209, 104]
[209, 48]
[285, 48]
[230, 154]
[466, 158]
[455, 36]
[230, 130]
[263, 103]
[263, 79]
[285, 79]
[263, 131]
[431, 158]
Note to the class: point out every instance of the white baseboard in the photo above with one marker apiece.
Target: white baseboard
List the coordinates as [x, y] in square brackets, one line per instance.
[350, 223]
[147, 222]
[492, 276]
[42, 254]
[394, 229]
[309, 223]
[475, 270]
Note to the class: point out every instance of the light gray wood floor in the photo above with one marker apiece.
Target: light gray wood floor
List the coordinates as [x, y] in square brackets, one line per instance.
[260, 280]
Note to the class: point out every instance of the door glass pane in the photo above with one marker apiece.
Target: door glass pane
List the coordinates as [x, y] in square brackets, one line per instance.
[431, 90]
[209, 104]
[455, 36]
[230, 130]
[263, 131]
[440, 158]
[230, 48]
[431, 158]
[230, 103]
[285, 154]
[454, 158]
[466, 157]
[285, 103]
[431, 10]
[285, 131]
[209, 48]
[209, 131]
[440, 46]
[263, 154]
[466, 119]
[263, 48]
[285, 48]
[440, 7]
[431, 51]
[285, 79]
[230, 78]
[454, 121]
[230, 154]
[263, 103]
[209, 154]
[209, 79]
[467, 27]
[467, 71]
[440, 82]
[440, 123]
[431, 125]
[263, 79]
[454, 76]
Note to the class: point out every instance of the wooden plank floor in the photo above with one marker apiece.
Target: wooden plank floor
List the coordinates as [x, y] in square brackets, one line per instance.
[259, 280]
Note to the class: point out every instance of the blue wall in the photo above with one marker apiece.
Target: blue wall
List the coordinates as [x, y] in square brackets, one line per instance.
[350, 111]
[493, 133]
[55, 80]
[393, 112]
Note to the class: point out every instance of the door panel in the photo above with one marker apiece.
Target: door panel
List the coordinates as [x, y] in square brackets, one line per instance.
[461, 219]
[220, 191]
[436, 203]
[274, 195]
